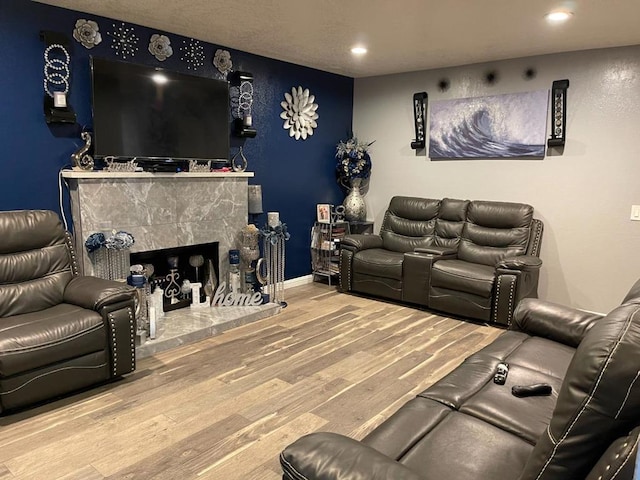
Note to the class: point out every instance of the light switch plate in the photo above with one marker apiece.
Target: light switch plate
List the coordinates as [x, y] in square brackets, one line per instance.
[635, 212]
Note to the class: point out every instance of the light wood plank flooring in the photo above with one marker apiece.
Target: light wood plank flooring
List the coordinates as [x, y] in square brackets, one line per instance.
[225, 407]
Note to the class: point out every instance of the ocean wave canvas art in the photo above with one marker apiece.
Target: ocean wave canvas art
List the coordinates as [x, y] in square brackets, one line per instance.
[498, 126]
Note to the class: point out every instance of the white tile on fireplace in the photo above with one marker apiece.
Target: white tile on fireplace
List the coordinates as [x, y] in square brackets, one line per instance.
[200, 198]
[189, 325]
[156, 237]
[160, 210]
[155, 202]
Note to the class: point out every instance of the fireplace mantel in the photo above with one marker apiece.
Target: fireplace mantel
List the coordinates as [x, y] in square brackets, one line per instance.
[161, 210]
[182, 175]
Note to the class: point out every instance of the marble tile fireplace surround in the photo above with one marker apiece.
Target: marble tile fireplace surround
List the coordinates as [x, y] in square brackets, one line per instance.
[161, 210]
[164, 210]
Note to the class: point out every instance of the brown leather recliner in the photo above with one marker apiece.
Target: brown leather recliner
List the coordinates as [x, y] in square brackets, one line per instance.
[467, 427]
[471, 258]
[59, 332]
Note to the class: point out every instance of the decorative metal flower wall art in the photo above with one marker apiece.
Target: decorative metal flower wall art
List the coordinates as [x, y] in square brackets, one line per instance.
[192, 53]
[300, 113]
[160, 47]
[124, 41]
[222, 61]
[87, 33]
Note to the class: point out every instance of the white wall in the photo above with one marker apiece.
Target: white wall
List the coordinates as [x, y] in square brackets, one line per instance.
[590, 248]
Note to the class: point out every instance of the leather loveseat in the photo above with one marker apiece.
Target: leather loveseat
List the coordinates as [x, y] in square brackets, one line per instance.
[475, 259]
[59, 331]
[467, 427]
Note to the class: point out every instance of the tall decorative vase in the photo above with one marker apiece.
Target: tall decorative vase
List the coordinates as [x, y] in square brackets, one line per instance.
[355, 210]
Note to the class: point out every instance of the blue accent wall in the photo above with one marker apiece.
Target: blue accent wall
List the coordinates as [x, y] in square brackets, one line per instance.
[295, 175]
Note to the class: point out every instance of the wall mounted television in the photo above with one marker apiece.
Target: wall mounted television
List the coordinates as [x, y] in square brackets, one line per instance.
[156, 114]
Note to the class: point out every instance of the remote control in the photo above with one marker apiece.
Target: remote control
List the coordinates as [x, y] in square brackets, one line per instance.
[502, 371]
[531, 390]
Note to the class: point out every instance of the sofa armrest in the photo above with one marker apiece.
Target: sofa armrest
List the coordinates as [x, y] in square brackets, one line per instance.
[360, 241]
[521, 262]
[439, 251]
[330, 456]
[556, 322]
[94, 293]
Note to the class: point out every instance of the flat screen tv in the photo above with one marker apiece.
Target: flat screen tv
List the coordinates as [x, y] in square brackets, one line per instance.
[153, 113]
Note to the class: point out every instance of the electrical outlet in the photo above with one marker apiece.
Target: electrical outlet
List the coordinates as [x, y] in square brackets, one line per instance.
[635, 212]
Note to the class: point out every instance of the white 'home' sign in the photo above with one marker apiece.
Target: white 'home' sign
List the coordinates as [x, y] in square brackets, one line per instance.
[235, 299]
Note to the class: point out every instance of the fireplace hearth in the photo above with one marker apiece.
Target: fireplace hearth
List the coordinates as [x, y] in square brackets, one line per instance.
[189, 325]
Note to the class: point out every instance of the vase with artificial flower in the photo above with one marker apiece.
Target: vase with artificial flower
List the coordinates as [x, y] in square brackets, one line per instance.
[353, 170]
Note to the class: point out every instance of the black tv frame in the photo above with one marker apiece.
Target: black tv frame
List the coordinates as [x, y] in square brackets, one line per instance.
[156, 158]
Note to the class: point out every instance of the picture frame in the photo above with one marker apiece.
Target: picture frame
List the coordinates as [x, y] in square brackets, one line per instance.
[511, 125]
[323, 212]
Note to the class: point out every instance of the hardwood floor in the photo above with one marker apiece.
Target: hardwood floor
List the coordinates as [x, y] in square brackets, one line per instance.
[225, 407]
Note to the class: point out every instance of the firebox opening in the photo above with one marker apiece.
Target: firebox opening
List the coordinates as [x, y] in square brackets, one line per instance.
[189, 262]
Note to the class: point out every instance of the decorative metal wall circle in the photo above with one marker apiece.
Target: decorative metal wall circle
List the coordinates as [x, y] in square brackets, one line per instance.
[87, 33]
[491, 77]
[160, 47]
[124, 41]
[192, 53]
[300, 113]
[444, 84]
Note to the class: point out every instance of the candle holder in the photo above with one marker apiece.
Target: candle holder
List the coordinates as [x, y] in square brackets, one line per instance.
[255, 202]
[250, 252]
[172, 290]
[274, 236]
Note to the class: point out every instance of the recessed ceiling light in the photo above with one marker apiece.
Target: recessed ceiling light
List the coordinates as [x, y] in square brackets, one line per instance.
[358, 50]
[558, 16]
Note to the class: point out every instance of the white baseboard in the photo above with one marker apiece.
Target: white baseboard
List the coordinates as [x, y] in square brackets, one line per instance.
[296, 282]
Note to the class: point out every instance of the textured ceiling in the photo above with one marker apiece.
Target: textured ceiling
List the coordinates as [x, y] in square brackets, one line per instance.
[401, 35]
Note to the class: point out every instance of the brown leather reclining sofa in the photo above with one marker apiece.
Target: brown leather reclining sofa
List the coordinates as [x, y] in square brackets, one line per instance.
[59, 331]
[475, 259]
[467, 427]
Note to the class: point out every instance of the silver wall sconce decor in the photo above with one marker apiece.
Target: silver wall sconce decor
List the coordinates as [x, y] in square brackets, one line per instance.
[419, 114]
[241, 97]
[558, 113]
[57, 78]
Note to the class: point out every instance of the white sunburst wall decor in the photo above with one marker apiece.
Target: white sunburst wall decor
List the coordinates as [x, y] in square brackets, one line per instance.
[300, 113]
[123, 40]
[192, 54]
